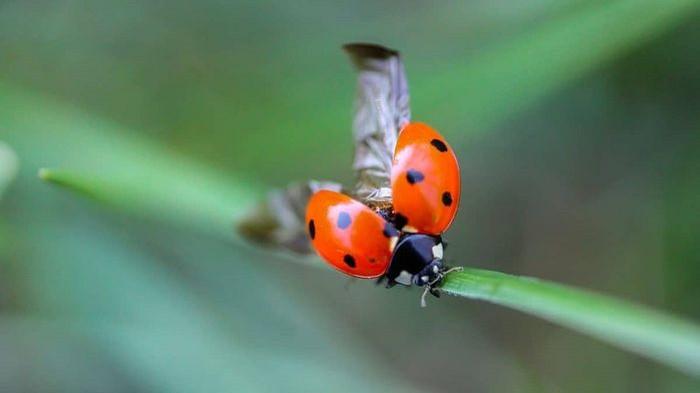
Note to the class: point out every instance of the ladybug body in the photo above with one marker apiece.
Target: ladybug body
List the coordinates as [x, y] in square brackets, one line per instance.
[424, 181]
[350, 236]
[417, 260]
[400, 242]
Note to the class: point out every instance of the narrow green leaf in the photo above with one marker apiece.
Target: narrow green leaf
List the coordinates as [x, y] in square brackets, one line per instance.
[8, 166]
[650, 333]
[647, 332]
[487, 89]
[121, 168]
[177, 194]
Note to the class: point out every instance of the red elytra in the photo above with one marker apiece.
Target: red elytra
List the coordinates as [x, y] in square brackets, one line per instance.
[348, 235]
[424, 180]
[426, 190]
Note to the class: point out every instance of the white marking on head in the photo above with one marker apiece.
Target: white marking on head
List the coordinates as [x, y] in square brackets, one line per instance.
[437, 251]
[404, 278]
[392, 242]
[424, 278]
[435, 269]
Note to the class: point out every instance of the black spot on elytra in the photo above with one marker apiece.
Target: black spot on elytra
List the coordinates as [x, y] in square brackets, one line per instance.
[446, 198]
[440, 145]
[400, 221]
[312, 229]
[349, 260]
[343, 220]
[413, 176]
[389, 230]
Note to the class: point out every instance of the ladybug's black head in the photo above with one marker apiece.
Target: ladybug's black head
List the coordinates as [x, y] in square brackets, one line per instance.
[417, 260]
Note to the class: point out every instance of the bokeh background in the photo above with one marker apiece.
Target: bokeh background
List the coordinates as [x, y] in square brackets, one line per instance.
[577, 128]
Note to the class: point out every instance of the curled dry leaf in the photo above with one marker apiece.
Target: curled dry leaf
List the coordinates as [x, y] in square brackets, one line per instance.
[381, 109]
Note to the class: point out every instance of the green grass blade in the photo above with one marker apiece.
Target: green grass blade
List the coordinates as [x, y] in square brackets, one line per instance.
[522, 71]
[650, 333]
[8, 166]
[121, 168]
[178, 195]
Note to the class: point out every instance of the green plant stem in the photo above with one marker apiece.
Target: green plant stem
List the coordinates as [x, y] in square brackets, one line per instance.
[650, 333]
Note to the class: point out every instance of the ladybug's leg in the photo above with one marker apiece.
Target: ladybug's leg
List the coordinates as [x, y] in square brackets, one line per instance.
[435, 292]
[429, 289]
[390, 283]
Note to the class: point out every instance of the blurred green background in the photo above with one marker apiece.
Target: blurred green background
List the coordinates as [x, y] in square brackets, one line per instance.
[577, 129]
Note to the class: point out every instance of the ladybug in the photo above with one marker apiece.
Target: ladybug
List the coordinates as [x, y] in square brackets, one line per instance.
[401, 241]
